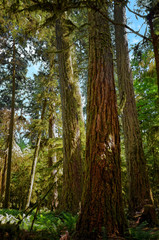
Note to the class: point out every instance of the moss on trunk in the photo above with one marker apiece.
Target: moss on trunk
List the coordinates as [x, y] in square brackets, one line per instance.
[72, 121]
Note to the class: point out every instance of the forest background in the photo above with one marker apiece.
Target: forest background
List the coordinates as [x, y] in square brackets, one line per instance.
[46, 131]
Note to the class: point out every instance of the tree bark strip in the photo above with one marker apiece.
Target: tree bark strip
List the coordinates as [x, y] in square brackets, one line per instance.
[155, 41]
[52, 159]
[4, 174]
[11, 135]
[102, 208]
[73, 126]
[139, 188]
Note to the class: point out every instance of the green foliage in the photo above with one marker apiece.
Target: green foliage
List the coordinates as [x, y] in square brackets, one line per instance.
[51, 223]
[142, 232]
[54, 224]
[145, 83]
[11, 36]
[21, 167]
[80, 39]
[8, 216]
[22, 144]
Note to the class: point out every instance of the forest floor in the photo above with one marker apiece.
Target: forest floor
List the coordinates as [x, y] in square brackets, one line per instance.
[52, 226]
[142, 231]
[9, 233]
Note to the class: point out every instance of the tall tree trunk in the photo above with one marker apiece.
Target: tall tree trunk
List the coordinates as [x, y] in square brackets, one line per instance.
[11, 133]
[102, 208]
[72, 121]
[139, 188]
[36, 153]
[4, 174]
[52, 159]
[155, 41]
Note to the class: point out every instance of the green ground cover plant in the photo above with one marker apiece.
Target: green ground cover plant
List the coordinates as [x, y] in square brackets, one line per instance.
[52, 225]
[48, 223]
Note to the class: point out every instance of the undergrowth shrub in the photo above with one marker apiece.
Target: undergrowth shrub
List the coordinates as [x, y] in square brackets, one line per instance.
[49, 222]
[142, 232]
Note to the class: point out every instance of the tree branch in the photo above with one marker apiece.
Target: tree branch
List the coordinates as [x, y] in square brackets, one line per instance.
[120, 24]
[139, 15]
[53, 8]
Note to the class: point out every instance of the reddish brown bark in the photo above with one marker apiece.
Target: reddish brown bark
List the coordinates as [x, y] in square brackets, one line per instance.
[155, 41]
[139, 188]
[101, 209]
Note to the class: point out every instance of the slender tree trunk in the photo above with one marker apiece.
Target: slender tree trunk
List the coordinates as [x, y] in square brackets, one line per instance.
[36, 153]
[72, 121]
[155, 41]
[102, 208]
[52, 159]
[11, 133]
[4, 174]
[139, 188]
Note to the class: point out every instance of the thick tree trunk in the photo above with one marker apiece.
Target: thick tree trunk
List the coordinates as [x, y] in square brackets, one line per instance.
[102, 208]
[36, 153]
[72, 121]
[139, 189]
[11, 133]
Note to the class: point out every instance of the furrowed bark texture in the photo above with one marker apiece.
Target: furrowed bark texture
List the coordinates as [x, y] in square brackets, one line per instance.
[139, 189]
[101, 210]
[72, 121]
